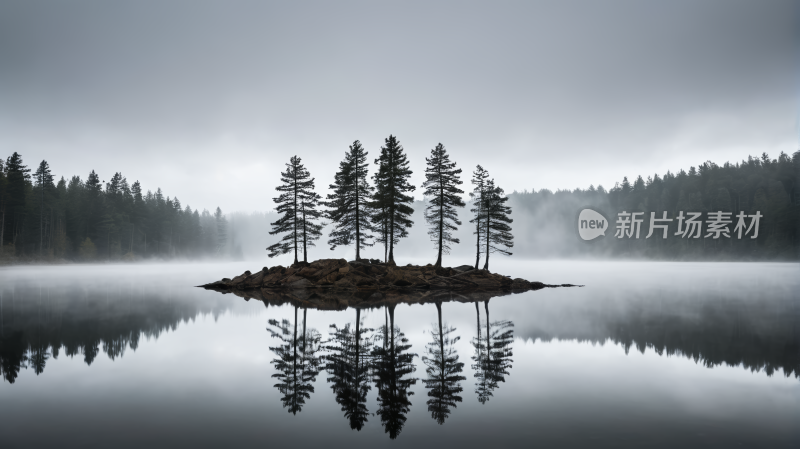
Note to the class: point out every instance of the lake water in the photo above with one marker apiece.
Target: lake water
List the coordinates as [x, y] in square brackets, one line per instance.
[645, 355]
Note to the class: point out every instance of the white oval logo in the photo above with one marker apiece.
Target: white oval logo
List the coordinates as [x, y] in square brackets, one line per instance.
[591, 224]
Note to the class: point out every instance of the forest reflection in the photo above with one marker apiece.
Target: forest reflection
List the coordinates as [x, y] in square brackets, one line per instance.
[372, 370]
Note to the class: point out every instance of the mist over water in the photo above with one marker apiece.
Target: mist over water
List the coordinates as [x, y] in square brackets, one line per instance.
[659, 354]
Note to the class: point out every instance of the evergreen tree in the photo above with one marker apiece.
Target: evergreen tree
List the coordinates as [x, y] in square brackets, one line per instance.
[497, 231]
[4, 197]
[45, 189]
[349, 202]
[441, 186]
[479, 196]
[298, 204]
[390, 201]
[18, 178]
[92, 206]
[443, 368]
[222, 231]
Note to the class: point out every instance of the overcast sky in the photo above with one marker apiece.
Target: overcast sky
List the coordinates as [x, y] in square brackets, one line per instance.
[208, 100]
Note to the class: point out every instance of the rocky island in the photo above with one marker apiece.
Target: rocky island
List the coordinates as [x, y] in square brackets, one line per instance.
[334, 281]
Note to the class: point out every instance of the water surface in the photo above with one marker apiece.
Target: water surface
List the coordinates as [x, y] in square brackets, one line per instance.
[646, 354]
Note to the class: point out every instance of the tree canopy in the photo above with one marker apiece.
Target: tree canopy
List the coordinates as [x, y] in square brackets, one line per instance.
[442, 179]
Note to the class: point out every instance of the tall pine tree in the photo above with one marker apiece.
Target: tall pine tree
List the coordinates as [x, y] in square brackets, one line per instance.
[390, 201]
[44, 191]
[3, 203]
[479, 196]
[497, 231]
[18, 178]
[298, 204]
[442, 179]
[349, 202]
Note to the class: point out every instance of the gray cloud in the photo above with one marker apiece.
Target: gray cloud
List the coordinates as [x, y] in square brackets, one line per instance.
[207, 100]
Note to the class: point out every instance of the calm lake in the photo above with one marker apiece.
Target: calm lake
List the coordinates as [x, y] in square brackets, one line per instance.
[647, 354]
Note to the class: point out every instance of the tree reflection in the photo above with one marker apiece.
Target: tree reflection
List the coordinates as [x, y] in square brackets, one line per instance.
[492, 354]
[13, 356]
[442, 368]
[348, 364]
[392, 363]
[296, 371]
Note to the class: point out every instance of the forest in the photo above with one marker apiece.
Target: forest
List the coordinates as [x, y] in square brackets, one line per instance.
[759, 184]
[90, 219]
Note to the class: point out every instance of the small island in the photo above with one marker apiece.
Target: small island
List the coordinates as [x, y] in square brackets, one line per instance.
[371, 282]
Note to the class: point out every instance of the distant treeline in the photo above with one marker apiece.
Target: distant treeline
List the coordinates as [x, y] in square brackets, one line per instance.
[90, 219]
[764, 185]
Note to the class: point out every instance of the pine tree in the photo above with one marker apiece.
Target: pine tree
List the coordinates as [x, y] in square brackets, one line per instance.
[390, 201]
[18, 177]
[222, 231]
[497, 230]
[45, 187]
[298, 204]
[349, 202]
[3, 203]
[479, 196]
[441, 185]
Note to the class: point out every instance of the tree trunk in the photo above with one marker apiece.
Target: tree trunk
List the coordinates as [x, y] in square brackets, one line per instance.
[391, 234]
[358, 228]
[441, 224]
[305, 235]
[488, 234]
[294, 222]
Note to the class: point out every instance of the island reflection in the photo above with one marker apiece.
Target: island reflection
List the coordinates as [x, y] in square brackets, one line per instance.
[38, 324]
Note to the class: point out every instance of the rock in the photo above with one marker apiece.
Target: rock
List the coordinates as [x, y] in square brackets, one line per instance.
[520, 284]
[464, 268]
[300, 283]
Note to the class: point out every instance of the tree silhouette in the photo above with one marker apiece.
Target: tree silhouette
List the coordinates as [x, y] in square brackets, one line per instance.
[390, 201]
[443, 370]
[348, 363]
[492, 354]
[349, 202]
[479, 196]
[45, 187]
[391, 366]
[442, 179]
[13, 356]
[17, 178]
[298, 204]
[497, 231]
[297, 364]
